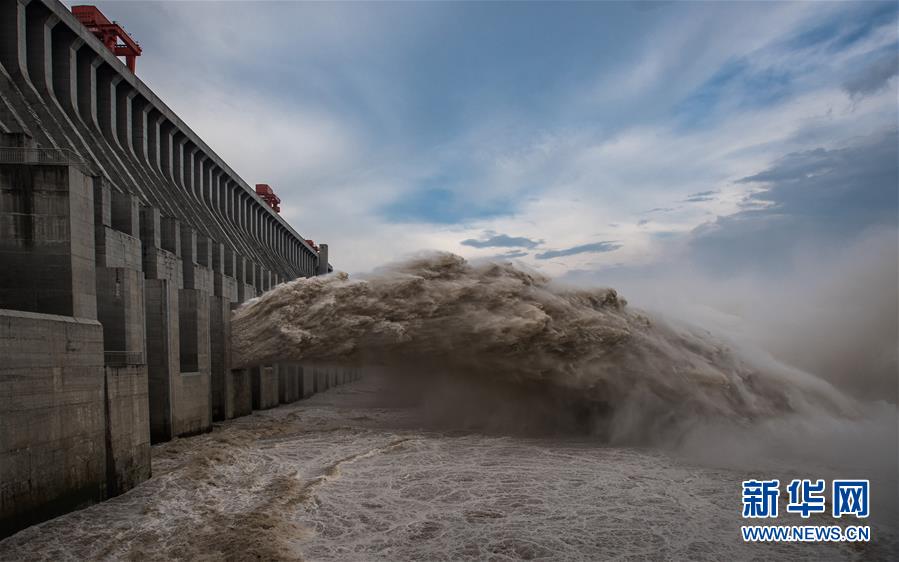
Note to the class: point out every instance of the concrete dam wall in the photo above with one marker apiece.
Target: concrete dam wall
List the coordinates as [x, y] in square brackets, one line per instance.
[125, 243]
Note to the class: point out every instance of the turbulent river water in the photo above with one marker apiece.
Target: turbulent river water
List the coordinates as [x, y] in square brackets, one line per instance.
[500, 417]
[354, 474]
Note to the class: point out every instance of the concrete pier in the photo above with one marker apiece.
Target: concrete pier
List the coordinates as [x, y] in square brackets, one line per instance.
[53, 433]
[125, 245]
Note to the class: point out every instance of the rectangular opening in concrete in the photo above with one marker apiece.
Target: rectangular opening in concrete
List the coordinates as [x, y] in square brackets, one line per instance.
[120, 309]
[171, 235]
[256, 381]
[111, 310]
[124, 214]
[219, 315]
[188, 331]
[161, 341]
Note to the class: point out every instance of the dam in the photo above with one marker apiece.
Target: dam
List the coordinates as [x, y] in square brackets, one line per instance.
[125, 244]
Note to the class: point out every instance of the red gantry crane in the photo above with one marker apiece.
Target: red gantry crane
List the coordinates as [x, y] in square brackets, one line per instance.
[110, 33]
[264, 190]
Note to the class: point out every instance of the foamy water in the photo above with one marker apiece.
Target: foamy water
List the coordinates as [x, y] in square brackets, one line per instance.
[352, 475]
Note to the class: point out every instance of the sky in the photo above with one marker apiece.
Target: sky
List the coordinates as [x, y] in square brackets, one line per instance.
[575, 138]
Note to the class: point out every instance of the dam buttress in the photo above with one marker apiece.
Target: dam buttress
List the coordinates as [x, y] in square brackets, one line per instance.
[125, 244]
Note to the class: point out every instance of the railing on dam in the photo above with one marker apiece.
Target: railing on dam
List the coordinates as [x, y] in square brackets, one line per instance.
[28, 155]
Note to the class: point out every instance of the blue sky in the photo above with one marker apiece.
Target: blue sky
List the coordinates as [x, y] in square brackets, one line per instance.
[572, 137]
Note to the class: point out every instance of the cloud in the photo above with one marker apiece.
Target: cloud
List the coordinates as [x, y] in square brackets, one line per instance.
[701, 196]
[874, 77]
[737, 84]
[510, 255]
[441, 205]
[382, 136]
[842, 28]
[502, 241]
[825, 195]
[594, 248]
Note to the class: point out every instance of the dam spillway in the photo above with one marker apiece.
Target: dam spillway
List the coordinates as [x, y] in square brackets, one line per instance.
[125, 243]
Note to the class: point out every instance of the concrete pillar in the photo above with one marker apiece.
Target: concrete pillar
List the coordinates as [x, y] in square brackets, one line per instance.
[232, 198]
[265, 387]
[65, 68]
[290, 383]
[52, 410]
[178, 144]
[47, 240]
[231, 389]
[161, 239]
[13, 46]
[163, 358]
[40, 23]
[205, 248]
[88, 62]
[125, 213]
[320, 379]
[188, 237]
[121, 311]
[322, 259]
[192, 411]
[308, 375]
[240, 275]
[201, 164]
[211, 189]
[171, 236]
[150, 227]
[166, 141]
[107, 83]
[154, 150]
[229, 266]
[125, 95]
[222, 199]
[189, 166]
[231, 392]
[140, 110]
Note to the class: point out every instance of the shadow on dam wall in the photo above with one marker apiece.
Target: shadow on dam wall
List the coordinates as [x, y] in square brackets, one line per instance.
[125, 244]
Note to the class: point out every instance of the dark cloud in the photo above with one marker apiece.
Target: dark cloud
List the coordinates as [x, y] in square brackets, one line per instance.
[873, 77]
[701, 196]
[502, 241]
[511, 255]
[596, 247]
[660, 210]
[821, 197]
